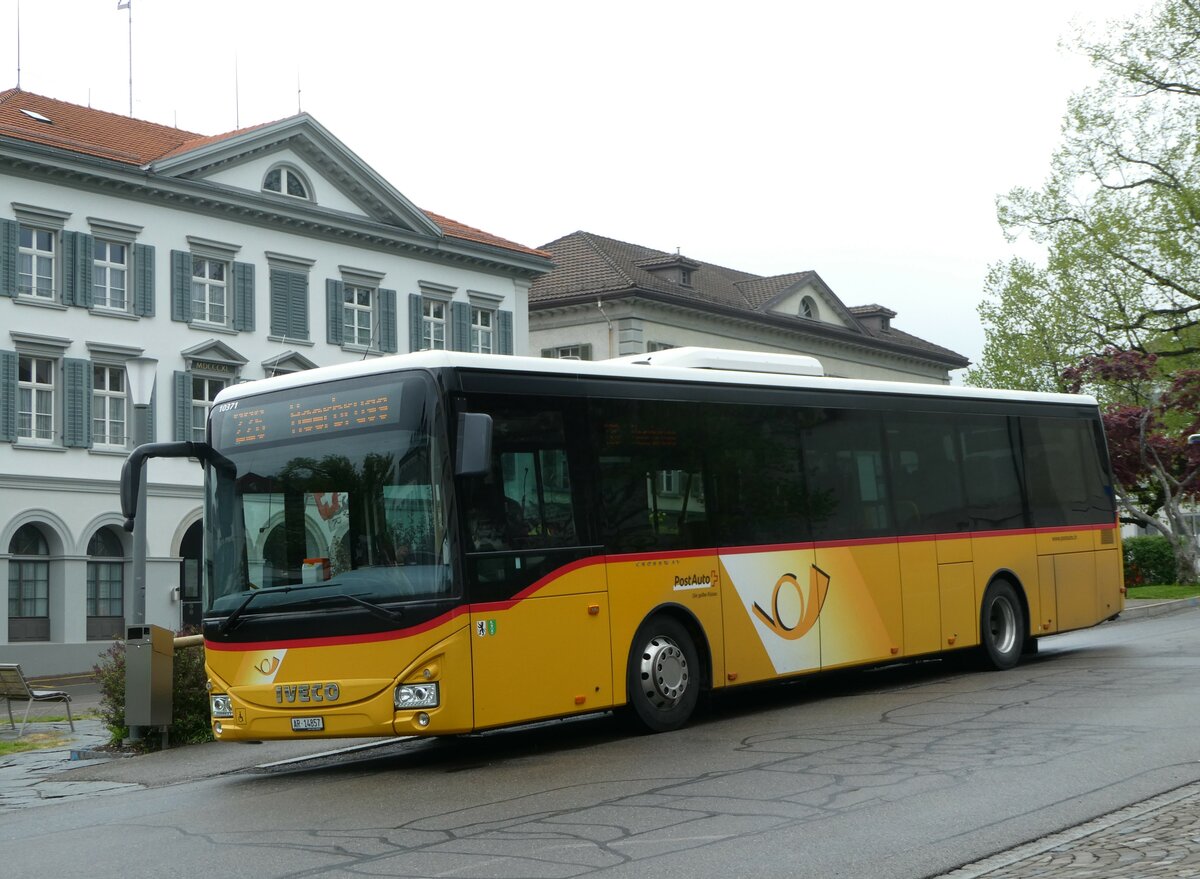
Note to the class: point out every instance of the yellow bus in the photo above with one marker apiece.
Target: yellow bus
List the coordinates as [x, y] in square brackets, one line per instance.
[439, 542]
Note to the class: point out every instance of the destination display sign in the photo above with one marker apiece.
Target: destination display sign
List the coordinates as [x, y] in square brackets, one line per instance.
[248, 421]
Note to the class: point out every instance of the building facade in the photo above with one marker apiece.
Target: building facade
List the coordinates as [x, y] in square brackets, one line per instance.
[608, 298]
[208, 260]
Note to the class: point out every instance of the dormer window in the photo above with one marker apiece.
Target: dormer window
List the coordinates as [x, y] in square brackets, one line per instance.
[808, 308]
[285, 180]
[685, 277]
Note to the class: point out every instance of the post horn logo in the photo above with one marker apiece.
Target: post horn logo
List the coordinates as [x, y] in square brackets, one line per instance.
[268, 666]
[790, 624]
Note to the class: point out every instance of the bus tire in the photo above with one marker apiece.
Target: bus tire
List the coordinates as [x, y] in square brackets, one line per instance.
[663, 677]
[1001, 626]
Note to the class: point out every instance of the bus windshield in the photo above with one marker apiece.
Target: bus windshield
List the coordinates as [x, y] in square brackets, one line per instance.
[333, 496]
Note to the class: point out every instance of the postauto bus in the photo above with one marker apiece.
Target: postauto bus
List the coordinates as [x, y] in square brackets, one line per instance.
[442, 542]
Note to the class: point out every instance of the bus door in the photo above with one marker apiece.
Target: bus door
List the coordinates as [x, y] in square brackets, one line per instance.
[539, 608]
[775, 591]
[856, 557]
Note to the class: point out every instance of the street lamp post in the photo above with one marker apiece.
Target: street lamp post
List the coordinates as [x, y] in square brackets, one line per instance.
[141, 372]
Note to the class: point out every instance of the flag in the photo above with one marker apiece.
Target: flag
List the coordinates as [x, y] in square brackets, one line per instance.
[124, 4]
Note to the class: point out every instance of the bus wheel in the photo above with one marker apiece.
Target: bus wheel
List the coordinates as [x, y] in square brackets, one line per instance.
[1001, 626]
[663, 679]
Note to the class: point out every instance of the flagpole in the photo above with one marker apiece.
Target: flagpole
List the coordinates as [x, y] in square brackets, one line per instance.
[129, 9]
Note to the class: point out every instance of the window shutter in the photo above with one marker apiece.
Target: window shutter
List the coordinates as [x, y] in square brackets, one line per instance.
[460, 331]
[415, 317]
[387, 321]
[585, 352]
[80, 269]
[181, 286]
[149, 432]
[280, 284]
[8, 260]
[333, 311]
[505, 321]
[298, 306]
[143, 280]
[77, 421]
[8, 395]
[68, 269]
[243, 297]
[183, 406]
[547, 352]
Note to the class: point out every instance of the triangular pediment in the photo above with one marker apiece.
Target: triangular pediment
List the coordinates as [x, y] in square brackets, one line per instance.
[811, 298]
[288, 361]
[337, 180]
[213, 353]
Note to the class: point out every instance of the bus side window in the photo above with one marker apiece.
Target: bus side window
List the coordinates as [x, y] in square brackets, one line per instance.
[844, 470]
[652, 491]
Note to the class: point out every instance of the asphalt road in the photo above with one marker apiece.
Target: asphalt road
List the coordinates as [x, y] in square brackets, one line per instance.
[901, 772]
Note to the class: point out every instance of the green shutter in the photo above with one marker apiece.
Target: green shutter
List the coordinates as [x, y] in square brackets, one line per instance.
[143, 280]
[181, 286]
[8, 260]
[280, 284]
[585, 352]
[333, 310]
[8, 396]
[505, 321]
[415, 317]
[387, 321]
[80, 269]
[243, 297]
[77, 421]
[68, 267]
[183, 406]
[298, 306]
[460, 326]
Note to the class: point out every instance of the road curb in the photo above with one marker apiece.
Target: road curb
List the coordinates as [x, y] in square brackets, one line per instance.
[1158, 608]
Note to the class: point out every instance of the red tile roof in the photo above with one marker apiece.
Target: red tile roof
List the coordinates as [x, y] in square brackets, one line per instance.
[137, 142]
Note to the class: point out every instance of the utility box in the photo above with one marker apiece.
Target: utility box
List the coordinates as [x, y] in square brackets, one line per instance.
[149, 668]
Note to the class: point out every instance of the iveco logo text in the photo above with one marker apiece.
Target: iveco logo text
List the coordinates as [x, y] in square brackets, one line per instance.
[318, 692]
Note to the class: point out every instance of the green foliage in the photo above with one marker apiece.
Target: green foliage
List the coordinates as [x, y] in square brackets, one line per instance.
[189, 698]
[1149, 561]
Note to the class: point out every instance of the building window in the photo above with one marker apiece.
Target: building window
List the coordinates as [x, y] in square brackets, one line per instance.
[482, 322]
[433, 324]
[35, 398]
[285, 181]
[105, 578]
[357, 305]
[204, 391]
[685, 277]
[209, 290]
[808, 308]
[110, 275]
[569, 352]
[108, 406]
[28, 586]
[658, 346]
[35, 263]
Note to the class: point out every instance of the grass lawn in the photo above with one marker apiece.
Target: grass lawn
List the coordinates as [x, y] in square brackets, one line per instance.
[1163, 592]
[34, 741]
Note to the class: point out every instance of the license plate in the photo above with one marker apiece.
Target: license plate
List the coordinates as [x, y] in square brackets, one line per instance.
[308, 724]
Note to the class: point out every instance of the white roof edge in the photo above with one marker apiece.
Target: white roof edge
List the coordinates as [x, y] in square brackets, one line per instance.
[630, 368]
[728, 359]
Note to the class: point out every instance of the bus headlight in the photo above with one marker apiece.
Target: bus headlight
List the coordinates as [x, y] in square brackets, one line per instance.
[409, 696]
[221, 705]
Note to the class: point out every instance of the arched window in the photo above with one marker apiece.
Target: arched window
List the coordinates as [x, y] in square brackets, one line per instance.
[285, 180]
[28, 586]
[808, 308]
[105, 586]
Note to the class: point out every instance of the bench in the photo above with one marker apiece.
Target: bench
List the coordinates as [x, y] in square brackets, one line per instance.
[14, 688]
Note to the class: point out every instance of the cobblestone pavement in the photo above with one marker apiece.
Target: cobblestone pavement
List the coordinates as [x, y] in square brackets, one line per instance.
[1159, 837]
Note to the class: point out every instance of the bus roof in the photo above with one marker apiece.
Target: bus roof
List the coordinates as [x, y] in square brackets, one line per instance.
[642, 367]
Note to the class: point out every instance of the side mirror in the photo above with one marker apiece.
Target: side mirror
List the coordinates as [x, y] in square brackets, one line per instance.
[473, 457]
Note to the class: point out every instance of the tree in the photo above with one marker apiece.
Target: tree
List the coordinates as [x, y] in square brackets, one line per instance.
[1115, 306]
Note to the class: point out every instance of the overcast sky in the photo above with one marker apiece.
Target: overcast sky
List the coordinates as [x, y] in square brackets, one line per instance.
[866, 141]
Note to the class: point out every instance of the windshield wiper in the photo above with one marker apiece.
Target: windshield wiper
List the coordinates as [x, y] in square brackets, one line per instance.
[376, 610]
[231, 620]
